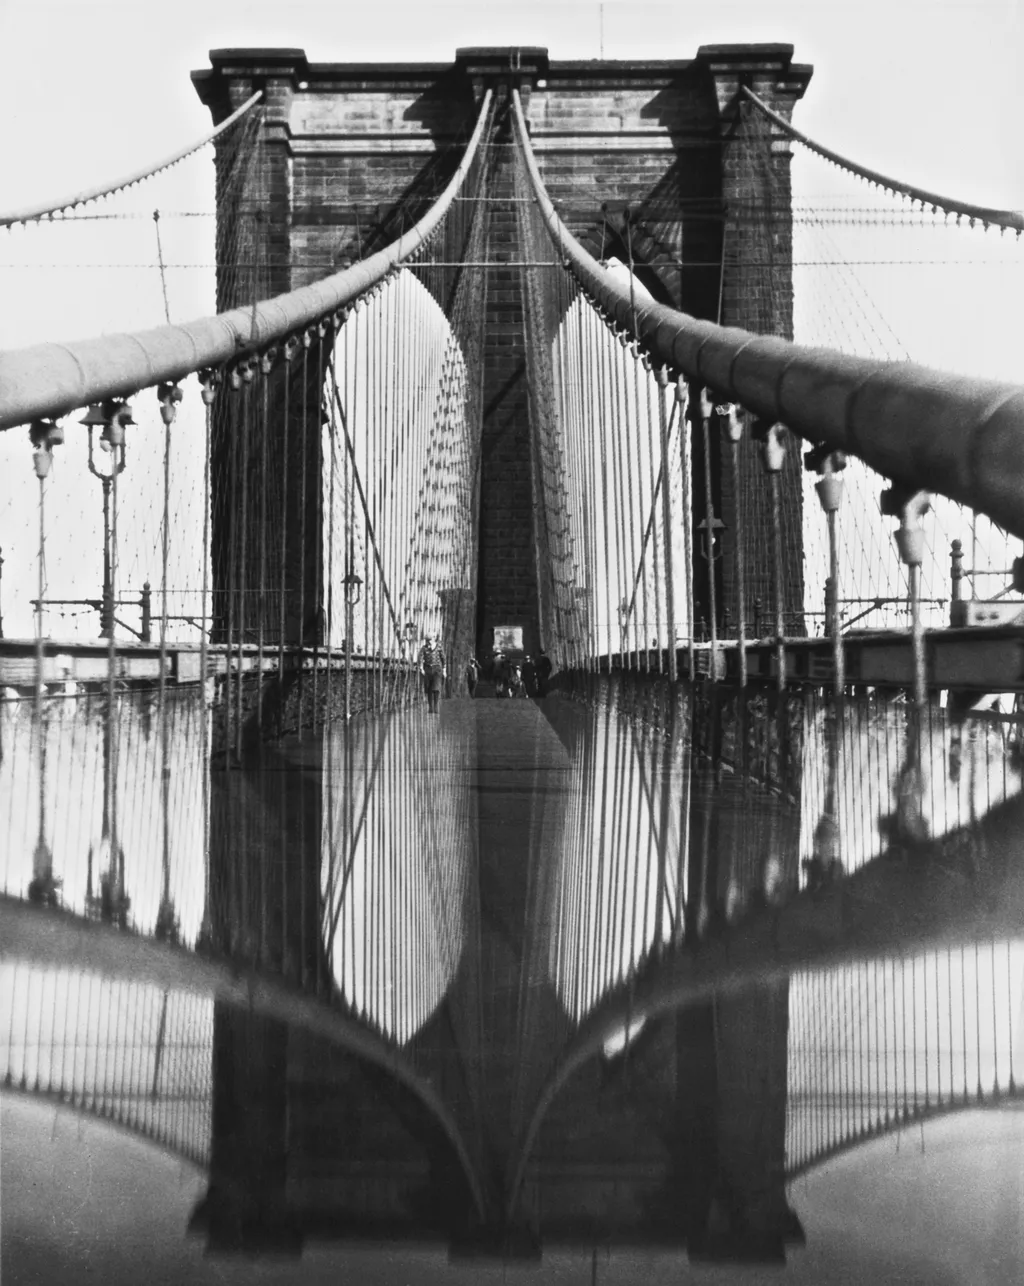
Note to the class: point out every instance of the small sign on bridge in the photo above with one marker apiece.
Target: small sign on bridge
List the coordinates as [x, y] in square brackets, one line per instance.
[994, 613]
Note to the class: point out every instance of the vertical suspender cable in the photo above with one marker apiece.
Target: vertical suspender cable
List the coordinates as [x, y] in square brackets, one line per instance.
[287, 511]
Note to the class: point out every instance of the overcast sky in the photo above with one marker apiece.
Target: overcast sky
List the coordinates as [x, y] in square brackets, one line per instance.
[929, 91]
[928, 88]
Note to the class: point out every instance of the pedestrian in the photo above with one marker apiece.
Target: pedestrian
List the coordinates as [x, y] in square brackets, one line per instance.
[433, 671]
[542, 669]
[499, 671]
[472, 674]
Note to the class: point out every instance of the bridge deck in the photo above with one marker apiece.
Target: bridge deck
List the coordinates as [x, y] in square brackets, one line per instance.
[973, 659]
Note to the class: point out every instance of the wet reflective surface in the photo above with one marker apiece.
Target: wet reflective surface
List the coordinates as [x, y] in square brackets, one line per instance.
[628, 978]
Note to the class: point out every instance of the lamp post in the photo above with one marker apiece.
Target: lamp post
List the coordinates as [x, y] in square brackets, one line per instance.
[113, 419]
[711, 551]
[709, 538]
[43, 888]
[353, 588]
[112, 903]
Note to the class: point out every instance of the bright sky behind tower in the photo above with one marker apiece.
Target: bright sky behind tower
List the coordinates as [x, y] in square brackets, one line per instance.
[927, 90]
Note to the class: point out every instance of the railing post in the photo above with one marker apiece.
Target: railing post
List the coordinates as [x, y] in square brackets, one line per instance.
[146, 606]
[957, 607]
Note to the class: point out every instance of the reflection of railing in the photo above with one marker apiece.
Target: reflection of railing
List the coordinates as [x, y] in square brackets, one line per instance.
[879, 1045]
[98, 796]
[856, 788]
[133, 1053]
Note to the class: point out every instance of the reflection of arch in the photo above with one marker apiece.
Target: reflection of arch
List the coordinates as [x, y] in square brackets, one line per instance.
[396, 862]
[688, 1126]
[61, 941]
[622, 861]
[924, 904]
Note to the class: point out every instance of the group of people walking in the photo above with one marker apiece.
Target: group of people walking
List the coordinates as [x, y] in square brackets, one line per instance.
[527, 677]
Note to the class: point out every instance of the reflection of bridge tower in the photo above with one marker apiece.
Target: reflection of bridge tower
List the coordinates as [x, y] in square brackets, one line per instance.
[672, 1129]
[678, 1141]
[344, 865]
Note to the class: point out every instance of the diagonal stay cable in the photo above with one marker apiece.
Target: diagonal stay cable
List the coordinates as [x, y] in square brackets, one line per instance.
[378, 755]
[366, 513]
[658, 828]
[651, 520]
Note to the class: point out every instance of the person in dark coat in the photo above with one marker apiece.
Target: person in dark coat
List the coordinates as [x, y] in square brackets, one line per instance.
[542, 670]
[433, 671]
[499, 672]
[472, 674]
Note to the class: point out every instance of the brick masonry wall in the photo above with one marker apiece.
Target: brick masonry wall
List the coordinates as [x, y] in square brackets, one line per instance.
[757, 295]
[354, 153]
[507, 592]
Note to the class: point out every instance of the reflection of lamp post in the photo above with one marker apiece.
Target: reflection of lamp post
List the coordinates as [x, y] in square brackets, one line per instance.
[111, 904]
[113, 419]
[409, 636]
[353, 587]
[408, 639]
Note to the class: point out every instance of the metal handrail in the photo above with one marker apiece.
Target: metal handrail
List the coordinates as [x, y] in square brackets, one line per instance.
[31, 214]
[49, 380]
[925, 429]
[1012, 219]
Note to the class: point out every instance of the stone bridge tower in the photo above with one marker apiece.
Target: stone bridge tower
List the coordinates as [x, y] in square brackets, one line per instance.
[351, 153]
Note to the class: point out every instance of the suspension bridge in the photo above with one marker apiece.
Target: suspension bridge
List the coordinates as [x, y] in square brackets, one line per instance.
[503, 352]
